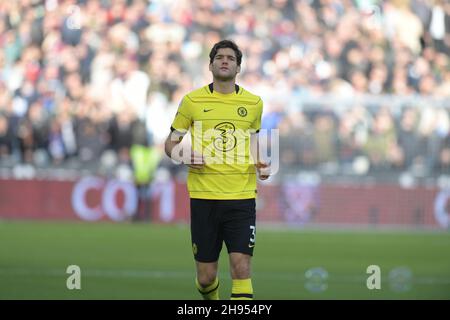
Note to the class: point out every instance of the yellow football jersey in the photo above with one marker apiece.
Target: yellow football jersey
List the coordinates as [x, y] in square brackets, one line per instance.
[220, 126]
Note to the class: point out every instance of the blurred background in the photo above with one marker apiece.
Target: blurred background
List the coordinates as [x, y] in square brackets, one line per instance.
[358, 89]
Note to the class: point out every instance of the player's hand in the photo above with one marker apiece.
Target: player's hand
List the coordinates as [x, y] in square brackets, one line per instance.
[263, 169]
[196, 160]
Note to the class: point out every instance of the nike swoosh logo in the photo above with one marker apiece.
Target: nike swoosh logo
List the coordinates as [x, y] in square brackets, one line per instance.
[207, 110]
[251, 245]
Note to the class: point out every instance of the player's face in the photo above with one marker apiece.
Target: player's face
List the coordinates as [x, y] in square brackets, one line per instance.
[224, 66]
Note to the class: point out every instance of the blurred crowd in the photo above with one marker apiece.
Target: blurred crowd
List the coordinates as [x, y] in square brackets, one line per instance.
[362, 140]
[86, 80]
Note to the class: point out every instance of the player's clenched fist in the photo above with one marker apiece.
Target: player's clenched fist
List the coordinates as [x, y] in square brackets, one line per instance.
[263, 169]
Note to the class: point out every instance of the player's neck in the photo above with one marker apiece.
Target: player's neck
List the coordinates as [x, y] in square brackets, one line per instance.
[224, 87]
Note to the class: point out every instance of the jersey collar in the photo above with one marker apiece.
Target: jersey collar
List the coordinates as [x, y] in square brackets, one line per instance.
[211, 88]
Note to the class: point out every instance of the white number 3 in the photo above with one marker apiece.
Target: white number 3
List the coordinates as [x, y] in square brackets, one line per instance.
[252, 237]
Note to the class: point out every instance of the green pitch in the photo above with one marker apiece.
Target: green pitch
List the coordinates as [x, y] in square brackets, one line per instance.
[127, 261]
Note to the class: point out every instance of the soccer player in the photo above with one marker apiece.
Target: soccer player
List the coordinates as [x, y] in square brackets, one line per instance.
[224, 120]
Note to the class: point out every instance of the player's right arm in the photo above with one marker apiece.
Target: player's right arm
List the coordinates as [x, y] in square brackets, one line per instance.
[179, 128]
[184, 155]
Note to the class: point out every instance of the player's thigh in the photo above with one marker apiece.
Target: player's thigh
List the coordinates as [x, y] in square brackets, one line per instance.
[239, 226]
[206, 235]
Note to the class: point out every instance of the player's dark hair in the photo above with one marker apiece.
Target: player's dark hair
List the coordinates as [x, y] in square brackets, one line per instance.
[226, 44]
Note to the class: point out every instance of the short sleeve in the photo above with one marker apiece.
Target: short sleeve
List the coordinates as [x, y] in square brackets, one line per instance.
[256, 125]
[183, 117]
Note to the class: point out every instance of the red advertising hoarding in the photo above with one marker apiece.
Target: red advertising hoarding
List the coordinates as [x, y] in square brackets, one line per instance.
[96, 199]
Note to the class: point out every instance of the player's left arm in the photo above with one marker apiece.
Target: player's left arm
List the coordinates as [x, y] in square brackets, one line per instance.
[262, 167]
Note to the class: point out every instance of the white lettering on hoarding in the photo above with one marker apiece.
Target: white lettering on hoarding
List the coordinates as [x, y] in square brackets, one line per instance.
[109, 205]
[440, 209]
[79, 203]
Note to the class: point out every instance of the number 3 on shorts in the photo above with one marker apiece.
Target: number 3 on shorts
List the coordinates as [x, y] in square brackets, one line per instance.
[252, 237]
